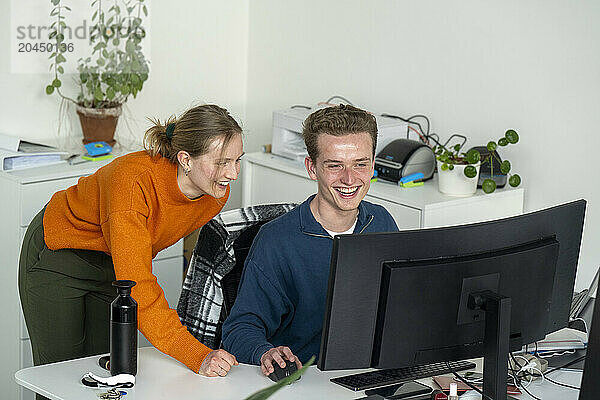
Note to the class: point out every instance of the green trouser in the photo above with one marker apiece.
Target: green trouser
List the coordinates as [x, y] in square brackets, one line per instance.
[66, 296]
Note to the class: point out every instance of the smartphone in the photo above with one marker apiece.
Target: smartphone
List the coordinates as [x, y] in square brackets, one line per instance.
[401, 391]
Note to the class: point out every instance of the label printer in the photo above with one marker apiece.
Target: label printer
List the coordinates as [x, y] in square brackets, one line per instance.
[403, 157]
[287, 132]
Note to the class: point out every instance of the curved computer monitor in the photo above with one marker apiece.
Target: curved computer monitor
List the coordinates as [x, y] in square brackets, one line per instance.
[374, 317]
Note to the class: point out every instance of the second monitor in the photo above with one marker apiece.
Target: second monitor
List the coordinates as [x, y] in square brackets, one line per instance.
[402, 299]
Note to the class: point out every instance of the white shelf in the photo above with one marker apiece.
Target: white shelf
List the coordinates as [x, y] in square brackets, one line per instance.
[413, 208]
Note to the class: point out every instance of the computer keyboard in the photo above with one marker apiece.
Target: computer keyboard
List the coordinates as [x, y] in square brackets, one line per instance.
[386, 377]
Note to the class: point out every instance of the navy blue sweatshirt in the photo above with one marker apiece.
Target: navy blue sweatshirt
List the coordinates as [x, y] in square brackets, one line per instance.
[281, 298]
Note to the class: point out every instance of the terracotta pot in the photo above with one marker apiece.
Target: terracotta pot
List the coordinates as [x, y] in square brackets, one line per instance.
[99, 124]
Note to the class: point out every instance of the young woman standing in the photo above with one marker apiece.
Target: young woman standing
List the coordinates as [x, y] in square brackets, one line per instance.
[111, 224]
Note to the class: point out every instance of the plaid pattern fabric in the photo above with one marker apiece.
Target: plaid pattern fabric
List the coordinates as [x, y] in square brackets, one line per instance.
[201, 298]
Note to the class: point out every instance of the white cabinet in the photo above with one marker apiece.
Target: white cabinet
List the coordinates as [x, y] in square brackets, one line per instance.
[272, 179]
[24, 193]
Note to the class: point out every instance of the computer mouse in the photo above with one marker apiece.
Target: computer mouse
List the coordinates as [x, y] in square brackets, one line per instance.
[280, 373]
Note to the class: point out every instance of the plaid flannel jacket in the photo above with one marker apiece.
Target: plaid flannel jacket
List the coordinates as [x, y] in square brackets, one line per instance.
[201, 298]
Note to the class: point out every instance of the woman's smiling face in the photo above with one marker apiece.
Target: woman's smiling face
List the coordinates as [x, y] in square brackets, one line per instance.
[212, 172]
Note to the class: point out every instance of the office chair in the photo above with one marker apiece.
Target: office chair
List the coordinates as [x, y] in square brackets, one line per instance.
[216, 266]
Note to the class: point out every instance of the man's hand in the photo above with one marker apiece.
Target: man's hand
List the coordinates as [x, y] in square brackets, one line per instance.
[277, 355]
[217, 363]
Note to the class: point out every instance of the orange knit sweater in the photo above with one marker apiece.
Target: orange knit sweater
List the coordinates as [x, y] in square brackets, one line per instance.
[131, 209]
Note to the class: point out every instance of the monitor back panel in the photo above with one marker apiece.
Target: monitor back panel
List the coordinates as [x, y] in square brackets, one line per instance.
[351, 305]
[424, 316]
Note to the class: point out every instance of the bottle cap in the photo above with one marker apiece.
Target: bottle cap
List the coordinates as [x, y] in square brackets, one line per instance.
[453, 389]
[124, 286]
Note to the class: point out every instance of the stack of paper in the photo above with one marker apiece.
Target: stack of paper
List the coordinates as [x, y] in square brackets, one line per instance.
[16, 153]
[563, 339]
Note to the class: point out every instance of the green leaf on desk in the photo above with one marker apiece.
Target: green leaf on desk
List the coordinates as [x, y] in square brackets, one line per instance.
[268, 391]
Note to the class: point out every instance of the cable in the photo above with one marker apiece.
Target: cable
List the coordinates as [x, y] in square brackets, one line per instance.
[566, 365]
[425, 118]
[423, 139]
[435, 137]
[518, 385]
[556, 353]
[423, 135]
[407, 120]
[524, 369]
[531, 365]
[539, 371]
[518, 381]
[562, 384]
[340, 98]
[458, 135]
[584, 324]
[467, 383]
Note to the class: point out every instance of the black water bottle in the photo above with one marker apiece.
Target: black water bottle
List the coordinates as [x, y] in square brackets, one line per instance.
[123, 330]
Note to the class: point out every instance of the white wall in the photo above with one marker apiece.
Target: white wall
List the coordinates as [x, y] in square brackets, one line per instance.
[198, 54]
[474, 67]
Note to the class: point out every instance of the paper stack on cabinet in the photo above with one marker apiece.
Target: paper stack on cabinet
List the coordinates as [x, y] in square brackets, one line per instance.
[561, 340]
[16, 153]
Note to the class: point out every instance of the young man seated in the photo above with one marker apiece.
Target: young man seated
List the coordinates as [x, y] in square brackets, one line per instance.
[278, 313]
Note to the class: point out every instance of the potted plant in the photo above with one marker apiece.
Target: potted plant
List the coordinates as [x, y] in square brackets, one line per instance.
[459, 171]
[115, 69]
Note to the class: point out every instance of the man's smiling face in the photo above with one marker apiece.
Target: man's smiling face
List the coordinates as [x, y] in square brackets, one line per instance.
[343, 169]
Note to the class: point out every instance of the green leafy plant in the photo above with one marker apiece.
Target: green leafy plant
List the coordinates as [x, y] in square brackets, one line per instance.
[449, 157]
[270, 390]
[116, 67]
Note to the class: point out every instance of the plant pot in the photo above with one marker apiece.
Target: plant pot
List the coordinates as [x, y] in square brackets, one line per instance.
[99, 124]
[455, 183]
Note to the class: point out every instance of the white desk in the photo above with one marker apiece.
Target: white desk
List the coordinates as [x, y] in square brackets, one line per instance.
[161, 377]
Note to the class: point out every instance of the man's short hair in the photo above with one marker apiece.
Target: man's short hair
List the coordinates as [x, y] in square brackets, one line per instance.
[337, 120]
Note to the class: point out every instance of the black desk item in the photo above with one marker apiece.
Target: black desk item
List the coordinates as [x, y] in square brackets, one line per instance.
[485, 171]
[591, 369]
[280, 373]
[123, 330]
[386, 377]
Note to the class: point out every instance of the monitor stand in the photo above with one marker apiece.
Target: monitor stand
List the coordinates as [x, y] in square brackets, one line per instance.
[495, 341]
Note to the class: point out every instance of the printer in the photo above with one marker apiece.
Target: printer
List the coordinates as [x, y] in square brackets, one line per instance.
[287, 132]
[404, 157]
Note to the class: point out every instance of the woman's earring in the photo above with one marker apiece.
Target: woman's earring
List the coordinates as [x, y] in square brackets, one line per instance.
[186, 171]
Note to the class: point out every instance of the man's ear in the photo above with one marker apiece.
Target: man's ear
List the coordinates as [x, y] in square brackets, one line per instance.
[311, 168]
[183, 157]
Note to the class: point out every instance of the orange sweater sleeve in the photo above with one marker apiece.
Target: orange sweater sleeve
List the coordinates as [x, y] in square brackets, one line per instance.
[127, 235]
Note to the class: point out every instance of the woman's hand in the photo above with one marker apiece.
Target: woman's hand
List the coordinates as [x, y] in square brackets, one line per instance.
[217, 363]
